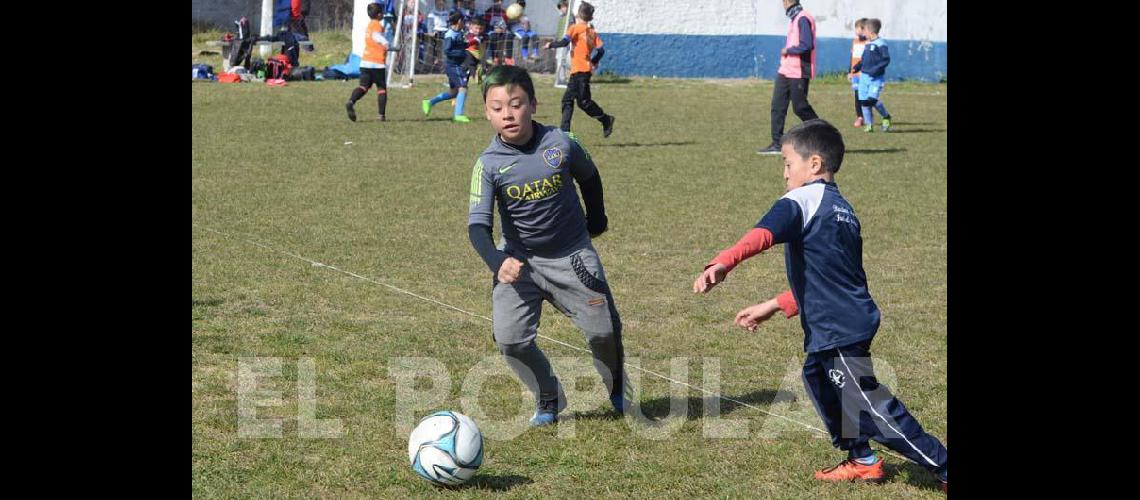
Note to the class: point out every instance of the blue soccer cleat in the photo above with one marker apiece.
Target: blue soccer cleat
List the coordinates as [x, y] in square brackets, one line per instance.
[547, 413]
[542, 418]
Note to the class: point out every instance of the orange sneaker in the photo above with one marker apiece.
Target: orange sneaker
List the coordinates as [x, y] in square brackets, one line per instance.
[850, 470]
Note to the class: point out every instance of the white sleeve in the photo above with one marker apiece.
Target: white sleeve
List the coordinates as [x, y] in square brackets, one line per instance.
[378, 37]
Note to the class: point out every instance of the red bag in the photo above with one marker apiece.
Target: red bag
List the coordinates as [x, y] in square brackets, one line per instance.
[228, 78]
[277, 67]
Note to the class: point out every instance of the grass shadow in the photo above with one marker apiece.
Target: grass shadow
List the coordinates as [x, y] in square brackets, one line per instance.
[494, 483]
[659, 408]
[641, 145]
[916, 131]
[875, 151]
[607, 414]
[374, 119]
[610, 79]
[917, 475]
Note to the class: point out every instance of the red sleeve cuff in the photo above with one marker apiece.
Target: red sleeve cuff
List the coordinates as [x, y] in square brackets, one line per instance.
[787, 303]
[755, 241]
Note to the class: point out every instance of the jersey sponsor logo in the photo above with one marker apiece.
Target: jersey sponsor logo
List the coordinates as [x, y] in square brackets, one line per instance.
[837, 378]
[503, 170]
[535, 190]
[553, 157]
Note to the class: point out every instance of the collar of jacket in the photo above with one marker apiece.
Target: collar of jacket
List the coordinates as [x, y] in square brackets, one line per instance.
[793, 10]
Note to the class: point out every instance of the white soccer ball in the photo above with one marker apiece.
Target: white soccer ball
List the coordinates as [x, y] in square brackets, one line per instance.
[514, 11]
[446, 448]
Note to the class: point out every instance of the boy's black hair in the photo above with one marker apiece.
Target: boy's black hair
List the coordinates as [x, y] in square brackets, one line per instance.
[374, 10]
[586, 12]
[508, 75]
[817, 137]
[477, 20]
[873, 25]
[455, 17]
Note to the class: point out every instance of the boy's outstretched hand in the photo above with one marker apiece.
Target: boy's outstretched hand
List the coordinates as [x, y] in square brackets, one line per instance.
[710, 278]
[751, 317]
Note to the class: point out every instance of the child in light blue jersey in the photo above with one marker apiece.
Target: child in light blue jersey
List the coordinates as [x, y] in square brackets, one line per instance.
[872, 78]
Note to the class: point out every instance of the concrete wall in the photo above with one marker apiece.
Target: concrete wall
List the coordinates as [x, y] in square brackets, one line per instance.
[743, 38]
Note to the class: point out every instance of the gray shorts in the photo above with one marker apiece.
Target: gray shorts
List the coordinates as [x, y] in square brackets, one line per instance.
[574, 283]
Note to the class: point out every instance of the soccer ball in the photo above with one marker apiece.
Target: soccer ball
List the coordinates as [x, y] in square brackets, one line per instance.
[446, 448]
[514, 11]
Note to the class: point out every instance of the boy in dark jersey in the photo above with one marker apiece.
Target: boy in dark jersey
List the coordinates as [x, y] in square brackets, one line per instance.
[530, 169]
[824, 259]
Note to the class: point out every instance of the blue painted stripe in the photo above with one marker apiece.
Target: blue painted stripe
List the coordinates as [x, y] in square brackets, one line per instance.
[758, 56]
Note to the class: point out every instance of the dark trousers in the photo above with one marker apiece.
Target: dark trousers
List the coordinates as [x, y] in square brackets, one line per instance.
[368, 78]
[856, 408]
[796, 90]
[578, 89]
[298, 25]
[373, 76]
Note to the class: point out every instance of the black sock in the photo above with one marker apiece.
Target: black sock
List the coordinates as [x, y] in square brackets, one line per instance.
[357, 93]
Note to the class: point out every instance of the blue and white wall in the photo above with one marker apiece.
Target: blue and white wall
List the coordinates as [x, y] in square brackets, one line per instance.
[743, 38]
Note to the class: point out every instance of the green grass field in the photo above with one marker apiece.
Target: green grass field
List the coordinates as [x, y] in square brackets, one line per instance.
[388, 201]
